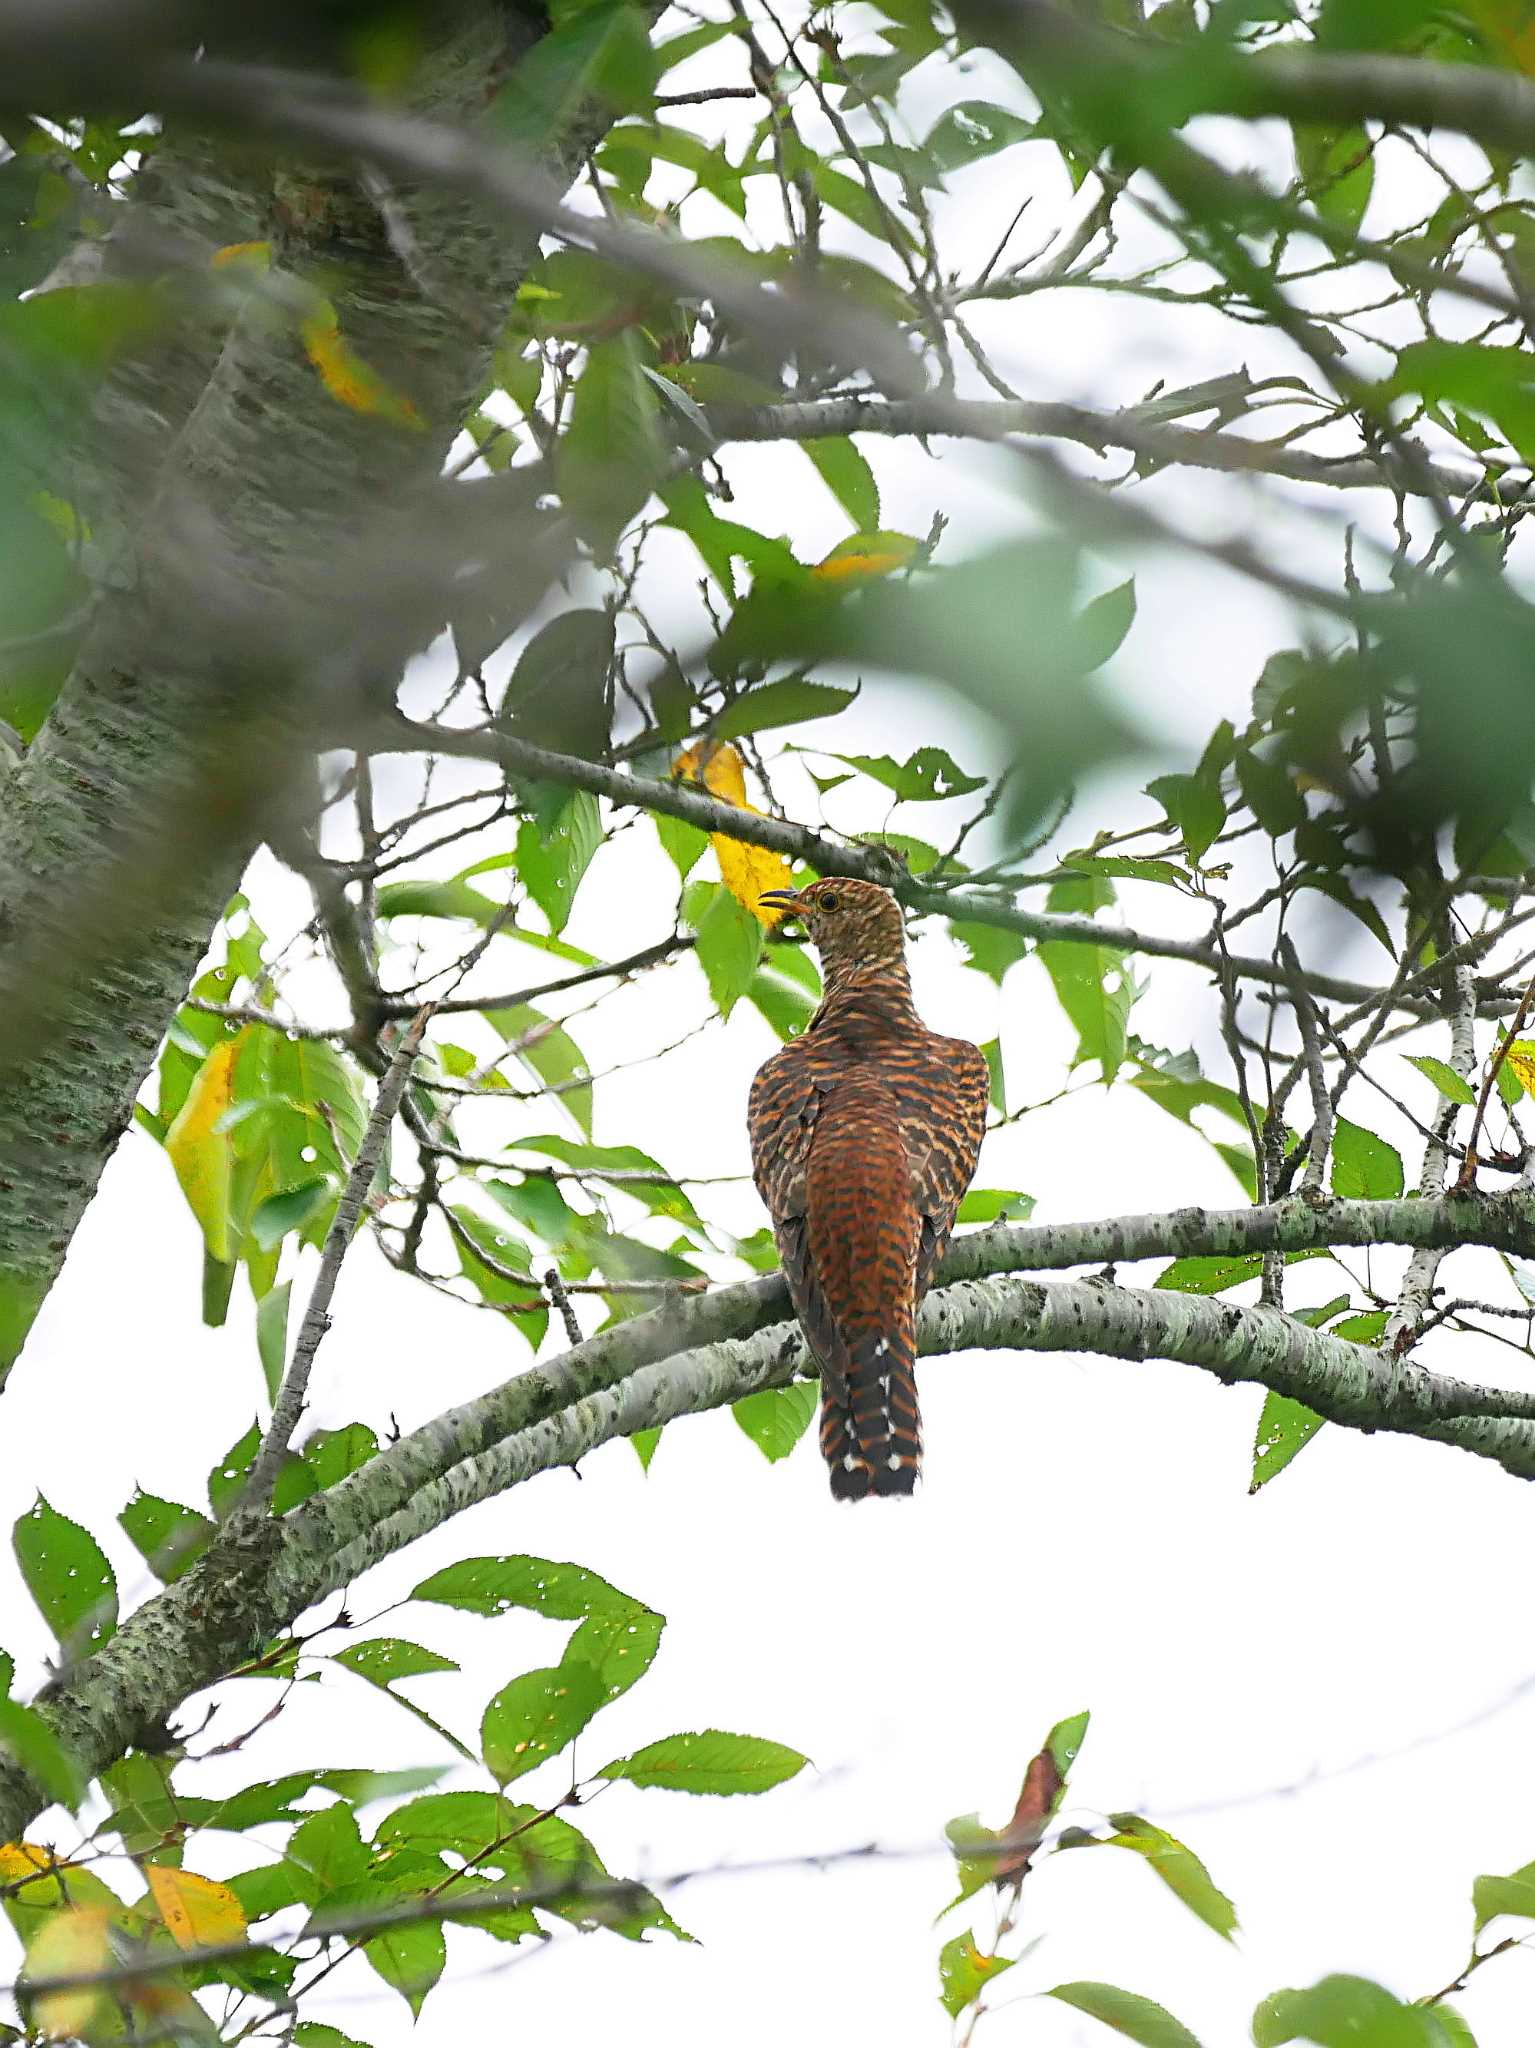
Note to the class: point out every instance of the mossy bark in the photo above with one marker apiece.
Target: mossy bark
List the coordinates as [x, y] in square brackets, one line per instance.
[243, 486]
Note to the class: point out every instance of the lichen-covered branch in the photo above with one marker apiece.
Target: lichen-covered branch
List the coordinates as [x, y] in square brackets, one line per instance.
[992, 419]
[701, 1352]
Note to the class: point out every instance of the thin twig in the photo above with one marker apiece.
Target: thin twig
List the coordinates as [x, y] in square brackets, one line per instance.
[289, 1405]
[1316, 1073]
[1489, 1082]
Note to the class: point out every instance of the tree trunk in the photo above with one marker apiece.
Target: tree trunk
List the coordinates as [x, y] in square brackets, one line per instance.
[244, 470]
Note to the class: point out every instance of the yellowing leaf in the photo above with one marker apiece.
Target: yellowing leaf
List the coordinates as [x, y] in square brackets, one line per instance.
[200, 1152]
[747, 871]
[1520, 1057]
[244, 255]
[37, 1883]
[346, 376]
[1508, 25]
[198, 1911]
[865, 556]
[20, 1859]
[72, 1944]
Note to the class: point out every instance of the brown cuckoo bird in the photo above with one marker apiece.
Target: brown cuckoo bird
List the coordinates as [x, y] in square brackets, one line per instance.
[865, 1132]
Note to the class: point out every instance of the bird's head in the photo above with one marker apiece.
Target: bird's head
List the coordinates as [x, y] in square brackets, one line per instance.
[851, 924]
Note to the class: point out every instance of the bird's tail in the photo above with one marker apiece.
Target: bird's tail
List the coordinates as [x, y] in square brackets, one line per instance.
[871, 1431]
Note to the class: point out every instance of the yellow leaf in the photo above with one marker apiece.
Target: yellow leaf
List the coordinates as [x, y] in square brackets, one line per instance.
[1521, 1057]
[748, 872]
[37, 1883]
[346, 376]
[201, 1153]
[20, 1859]
[867, 555]
[72, 1944]
[199, 1911]
[244, 255]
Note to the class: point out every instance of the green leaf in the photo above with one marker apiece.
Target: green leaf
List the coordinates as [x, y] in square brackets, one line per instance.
[314, 2034]
[991, 1052]
[973, 130]
[1514, 1895]
[1285, 1427]
[410, 1958]
[67, 1574]
[1365, 1328]
[30, 1744]
[1096, 989]
[619, 1648]
[1364, 1168]
[496, 1585]
[598, 53]
[560, 693]
[1332, 885]
[226, 1481]
[537, 1716]
[729, 943]
[1491, 381]
[778, 992]
[554, 853]
[1179, 1869]
[272, 1335]
[776, 1418]
[1210, 1275]
[169, 1537]
[964, 1973]
[452, 898]
[1139, 2019]
[328, 1847]
[1271, 796]
[793, 701]
[644, 1442]
[684, 844]
[709, 1762]
[383, 1659]
[388, 1658]
[272, 1219]
[613, 454]
[1103, 624]
[989, 948]
[988, 1205]
[1337, 167]
[1347, 2012]
[927, 776]
[1194, 806]
[1451, 1085]
[547, 1051]
[845, 472]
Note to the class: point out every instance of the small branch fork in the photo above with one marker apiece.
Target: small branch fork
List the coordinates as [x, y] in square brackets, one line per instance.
[289, 1405]
[1489, 1082]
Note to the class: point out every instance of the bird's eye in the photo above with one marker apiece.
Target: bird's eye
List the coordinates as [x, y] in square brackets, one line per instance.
[825, 902]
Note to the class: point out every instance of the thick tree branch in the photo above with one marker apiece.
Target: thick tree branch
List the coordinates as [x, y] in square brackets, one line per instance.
[705, 1351]
[993, 419]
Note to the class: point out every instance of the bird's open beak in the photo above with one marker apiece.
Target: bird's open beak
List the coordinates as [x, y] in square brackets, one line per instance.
[781, 899]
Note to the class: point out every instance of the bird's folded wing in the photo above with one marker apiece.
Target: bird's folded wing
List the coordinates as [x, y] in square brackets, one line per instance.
[942, 1091]
[786, 1100]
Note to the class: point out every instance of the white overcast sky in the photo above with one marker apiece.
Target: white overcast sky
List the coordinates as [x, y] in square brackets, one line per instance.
[1326, 1690]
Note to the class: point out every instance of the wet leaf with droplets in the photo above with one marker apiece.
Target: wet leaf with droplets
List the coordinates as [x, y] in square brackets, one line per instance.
[536, 1716]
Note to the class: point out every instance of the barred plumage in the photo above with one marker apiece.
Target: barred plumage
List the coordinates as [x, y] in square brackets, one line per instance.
[864, 1133]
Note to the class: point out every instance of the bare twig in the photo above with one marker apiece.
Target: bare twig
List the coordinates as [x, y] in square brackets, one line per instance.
[289, 1405]
[1322, 1114]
